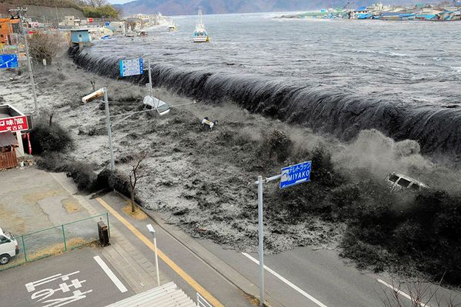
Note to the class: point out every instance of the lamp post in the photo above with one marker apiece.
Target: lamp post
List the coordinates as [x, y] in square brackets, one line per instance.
[99, 93]
[152, 231]
[291, 175]
[20, 13]
[261, 233]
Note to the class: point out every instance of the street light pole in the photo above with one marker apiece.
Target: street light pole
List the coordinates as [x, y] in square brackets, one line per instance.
[20, 11]
[109, 131]
[99, 93]
[150, 79]
[152, 231]
[261, 241]
[31, 73]
[261, 234]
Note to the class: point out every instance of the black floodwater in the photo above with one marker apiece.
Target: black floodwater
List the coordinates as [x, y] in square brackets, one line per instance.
[335, 76]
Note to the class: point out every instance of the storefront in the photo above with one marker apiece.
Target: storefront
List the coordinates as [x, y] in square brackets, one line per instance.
[12, 124]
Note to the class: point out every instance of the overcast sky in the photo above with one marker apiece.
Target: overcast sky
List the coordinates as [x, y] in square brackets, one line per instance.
[118, 1]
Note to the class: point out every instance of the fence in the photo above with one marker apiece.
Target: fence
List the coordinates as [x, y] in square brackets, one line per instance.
[8, 159]
[55, 240]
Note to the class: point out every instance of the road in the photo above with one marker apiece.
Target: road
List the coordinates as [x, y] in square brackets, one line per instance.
[308, 277]
[300, 277]
[78, 278]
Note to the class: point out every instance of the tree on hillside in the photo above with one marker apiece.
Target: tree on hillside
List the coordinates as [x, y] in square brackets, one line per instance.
[96, 3]
[100, 12]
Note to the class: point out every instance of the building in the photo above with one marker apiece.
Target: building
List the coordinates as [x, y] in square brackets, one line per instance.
[12, 124]
[80, 36]
[118, 27]
[70, 22]
[7, 28]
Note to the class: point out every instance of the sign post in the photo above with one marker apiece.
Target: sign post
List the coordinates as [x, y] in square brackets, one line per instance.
[131, 67]
[9, 61]
[291, 175]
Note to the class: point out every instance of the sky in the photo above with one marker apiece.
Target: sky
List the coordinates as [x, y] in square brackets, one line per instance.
[118, 1]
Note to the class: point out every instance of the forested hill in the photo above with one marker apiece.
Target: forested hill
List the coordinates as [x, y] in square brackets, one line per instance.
[187, 7]
[55, 10]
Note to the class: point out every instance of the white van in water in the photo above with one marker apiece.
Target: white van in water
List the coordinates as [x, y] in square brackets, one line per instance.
[8, 247]
[400, 182]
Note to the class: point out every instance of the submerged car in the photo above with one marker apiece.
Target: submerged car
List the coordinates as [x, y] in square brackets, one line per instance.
[8, 247]
[400, 182]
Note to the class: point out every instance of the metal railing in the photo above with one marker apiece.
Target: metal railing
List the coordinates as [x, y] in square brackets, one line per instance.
[55, 240]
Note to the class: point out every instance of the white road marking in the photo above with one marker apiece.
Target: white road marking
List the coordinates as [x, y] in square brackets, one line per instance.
[111, 274]
[401, 293]
[296, 288]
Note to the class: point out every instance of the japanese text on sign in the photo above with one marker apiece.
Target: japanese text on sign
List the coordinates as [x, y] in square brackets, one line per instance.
[14, 124]
[295, 174]
[65, 284]
[131, 67]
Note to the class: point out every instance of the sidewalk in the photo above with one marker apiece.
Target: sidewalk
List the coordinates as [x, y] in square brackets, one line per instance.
[132, 254]
[137, 270]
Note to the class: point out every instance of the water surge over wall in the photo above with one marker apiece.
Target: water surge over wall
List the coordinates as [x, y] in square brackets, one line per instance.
[437, 128]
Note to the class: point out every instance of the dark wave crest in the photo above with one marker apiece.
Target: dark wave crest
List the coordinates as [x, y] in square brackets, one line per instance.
[436, 128]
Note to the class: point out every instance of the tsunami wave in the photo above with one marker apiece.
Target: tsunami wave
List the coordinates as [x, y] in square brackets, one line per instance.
[436, 128]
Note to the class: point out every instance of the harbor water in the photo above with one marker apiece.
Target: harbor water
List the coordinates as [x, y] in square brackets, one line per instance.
[335, 76]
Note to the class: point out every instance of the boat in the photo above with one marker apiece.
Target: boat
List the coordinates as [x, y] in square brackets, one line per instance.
[200, 34]
[172, 26]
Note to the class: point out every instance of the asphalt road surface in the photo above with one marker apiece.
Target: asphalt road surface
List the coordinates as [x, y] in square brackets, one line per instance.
[319, 278]
[77, 278]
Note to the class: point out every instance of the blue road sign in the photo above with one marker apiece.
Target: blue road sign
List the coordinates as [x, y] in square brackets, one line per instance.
[107, 23]
[295, 174]
[8, 61]
[131, 67]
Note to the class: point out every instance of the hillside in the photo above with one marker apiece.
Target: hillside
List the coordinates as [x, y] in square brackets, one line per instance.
[44, 13]
[187, 7]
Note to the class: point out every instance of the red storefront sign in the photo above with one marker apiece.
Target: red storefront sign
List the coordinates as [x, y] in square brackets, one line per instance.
[18, 123]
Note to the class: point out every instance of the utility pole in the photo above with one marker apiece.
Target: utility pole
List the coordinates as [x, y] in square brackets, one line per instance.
[109, 130]
[20, 14]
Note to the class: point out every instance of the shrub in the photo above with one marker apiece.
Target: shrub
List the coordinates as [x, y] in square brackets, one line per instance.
[46, 46]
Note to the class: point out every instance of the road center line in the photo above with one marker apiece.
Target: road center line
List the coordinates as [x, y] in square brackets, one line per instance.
[197, 287]
[110, 274]
[289, 283]
[401, 293]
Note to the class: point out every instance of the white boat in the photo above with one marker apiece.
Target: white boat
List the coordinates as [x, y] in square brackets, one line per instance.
[200, 34]
[172, 26]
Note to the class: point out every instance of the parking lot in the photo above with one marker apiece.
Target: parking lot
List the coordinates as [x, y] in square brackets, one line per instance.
[80, 278]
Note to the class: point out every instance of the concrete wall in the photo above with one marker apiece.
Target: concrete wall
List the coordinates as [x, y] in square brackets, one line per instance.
[43, 13]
